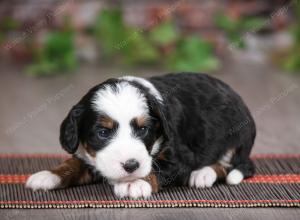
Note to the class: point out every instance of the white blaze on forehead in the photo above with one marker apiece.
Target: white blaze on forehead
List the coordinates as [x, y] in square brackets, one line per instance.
[122, 103]
[152, 90]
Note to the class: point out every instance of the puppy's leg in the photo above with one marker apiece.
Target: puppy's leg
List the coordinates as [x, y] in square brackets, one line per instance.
[207, 176]
[134, 189]
[239, 172]
[137, 188]
[71, 172]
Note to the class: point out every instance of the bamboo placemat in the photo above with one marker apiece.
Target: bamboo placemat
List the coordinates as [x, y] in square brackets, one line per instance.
[276, 184]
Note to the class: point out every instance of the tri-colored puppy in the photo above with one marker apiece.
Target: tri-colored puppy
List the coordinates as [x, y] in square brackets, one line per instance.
[143, 135]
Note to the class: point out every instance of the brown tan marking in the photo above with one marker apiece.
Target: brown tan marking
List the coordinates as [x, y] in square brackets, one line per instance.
[220, 170]
[107, 122]
[89, 150]
[224, 163]
[153, 181]
[141, 121]
[72, 172]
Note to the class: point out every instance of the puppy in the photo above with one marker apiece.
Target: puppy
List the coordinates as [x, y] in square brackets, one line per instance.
[142, 135]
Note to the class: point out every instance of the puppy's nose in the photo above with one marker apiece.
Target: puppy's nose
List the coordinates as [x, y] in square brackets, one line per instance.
[131, 165]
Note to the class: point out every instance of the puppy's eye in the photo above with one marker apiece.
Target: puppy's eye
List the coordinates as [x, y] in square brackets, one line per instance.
[104, 133]
[142, 131]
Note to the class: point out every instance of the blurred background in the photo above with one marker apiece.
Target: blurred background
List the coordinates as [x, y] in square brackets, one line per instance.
[53, 51]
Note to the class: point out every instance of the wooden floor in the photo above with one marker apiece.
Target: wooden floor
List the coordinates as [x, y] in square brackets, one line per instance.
[154, 214]
[33, 108]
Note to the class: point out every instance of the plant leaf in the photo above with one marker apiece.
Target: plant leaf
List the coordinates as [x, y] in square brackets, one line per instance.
[164, 33]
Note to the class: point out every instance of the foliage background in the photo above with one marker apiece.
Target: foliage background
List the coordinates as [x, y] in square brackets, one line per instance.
[173, 35]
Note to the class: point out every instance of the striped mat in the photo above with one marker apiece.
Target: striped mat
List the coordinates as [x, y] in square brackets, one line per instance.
[276, 184]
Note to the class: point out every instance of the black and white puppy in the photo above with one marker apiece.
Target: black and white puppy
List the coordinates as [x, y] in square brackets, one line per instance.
[143, 135]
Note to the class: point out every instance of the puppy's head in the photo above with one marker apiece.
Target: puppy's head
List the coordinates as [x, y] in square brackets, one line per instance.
[117, 127]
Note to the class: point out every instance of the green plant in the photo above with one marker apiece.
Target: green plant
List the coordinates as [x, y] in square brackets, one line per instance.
[164, 34]
[235, 29]
[118, 40]
[139, 50]
[9, 24]
[291, 61]
[56, 55]
[110, 30]
[162, 44]
[193, 54]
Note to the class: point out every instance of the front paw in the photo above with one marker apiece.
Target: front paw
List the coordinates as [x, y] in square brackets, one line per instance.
[44, 180]
[203, 178]
[136, 189]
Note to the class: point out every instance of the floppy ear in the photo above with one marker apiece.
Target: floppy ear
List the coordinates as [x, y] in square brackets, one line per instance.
[69, 133]
[158, 110]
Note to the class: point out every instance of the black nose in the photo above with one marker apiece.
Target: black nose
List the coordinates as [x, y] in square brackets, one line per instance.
[131, 165]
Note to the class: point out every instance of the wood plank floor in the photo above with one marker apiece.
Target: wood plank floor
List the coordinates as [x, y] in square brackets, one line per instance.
[154, 214]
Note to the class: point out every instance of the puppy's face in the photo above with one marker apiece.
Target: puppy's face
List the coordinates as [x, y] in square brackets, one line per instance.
[118, 131]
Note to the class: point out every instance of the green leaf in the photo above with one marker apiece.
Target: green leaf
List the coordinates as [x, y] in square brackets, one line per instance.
[236, 30]
[237, 40]
[193, 54]
[8, 24]
[251, 24]
[110, 30]
[195, 46]
[57, 44]
[164, 33]
[291, 62]
[139, 50]
[57, 55]
[42, 68]
[226, 23]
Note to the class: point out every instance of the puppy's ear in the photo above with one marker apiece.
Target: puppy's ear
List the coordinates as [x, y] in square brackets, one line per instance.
[157, 108]
[69, 129]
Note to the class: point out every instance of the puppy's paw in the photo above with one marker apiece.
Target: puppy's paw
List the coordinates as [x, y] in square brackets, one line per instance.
[44, 180]
[202, 178]
[234, 177]
[136, 189]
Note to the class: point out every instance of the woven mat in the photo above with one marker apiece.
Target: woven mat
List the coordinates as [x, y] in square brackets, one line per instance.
[276, 184]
